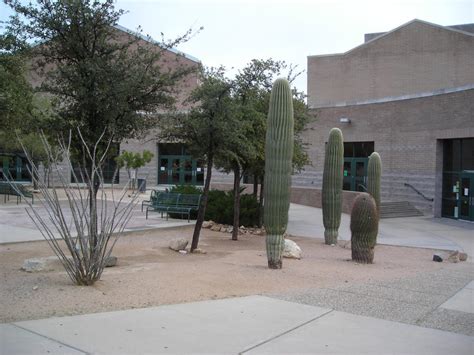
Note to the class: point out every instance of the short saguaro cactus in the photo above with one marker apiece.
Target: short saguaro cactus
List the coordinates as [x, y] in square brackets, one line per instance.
[278, 168]
[364, 228]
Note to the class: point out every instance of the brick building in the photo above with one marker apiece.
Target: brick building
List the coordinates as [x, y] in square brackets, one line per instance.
[409, 95]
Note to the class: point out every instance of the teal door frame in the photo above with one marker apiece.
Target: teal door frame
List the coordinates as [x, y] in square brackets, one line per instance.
[178, 170]
[466, 196]
[355, 173]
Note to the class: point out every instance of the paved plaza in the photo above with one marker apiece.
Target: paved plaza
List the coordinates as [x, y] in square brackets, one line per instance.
[430, 313]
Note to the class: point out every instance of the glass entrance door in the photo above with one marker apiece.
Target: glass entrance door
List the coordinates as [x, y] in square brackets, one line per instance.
[179, 170]
[466, 196]
[355, 174]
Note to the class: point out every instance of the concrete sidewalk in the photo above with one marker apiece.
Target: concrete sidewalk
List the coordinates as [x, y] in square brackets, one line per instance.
[420, 232]
[246, 325]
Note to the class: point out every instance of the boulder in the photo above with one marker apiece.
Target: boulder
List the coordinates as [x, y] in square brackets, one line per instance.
[462, 256]
[207, 224]
[111, 261]
[178, 244]
[216, 227]
[42, 264]
[291, 250]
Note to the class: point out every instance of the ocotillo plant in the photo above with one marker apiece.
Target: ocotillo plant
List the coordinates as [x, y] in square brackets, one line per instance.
[332, 186]
[364, 228]
[374, 172]
[278, 158]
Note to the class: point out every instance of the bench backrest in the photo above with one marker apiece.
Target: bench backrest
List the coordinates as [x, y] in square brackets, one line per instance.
[189, 200]
[168, 199]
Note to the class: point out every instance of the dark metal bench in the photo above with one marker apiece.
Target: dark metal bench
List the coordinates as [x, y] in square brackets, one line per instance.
[153, 195]
[174, 203]
[15, 189]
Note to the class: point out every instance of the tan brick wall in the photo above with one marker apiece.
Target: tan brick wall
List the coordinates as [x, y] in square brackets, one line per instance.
[407, 135]
[416, 58]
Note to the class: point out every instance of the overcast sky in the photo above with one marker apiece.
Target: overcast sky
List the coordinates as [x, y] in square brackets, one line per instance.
[236, 31]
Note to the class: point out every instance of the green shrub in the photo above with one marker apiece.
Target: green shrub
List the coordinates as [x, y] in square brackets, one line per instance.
[220, 208]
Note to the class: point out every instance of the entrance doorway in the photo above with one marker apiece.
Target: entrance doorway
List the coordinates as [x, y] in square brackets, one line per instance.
[356, 160]
[458, 179]
[176, 166]
[466, 196]
[14, 167]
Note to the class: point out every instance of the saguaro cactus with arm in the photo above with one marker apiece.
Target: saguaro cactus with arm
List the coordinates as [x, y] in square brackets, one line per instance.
[278, 168]
[332, 186]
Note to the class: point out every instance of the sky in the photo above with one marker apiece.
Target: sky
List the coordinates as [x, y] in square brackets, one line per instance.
[237, 31]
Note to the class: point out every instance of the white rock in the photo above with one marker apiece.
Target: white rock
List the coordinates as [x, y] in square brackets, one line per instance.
[207, 224]
[216, 227]
[178, 244]
[291, 250]
[184, 252]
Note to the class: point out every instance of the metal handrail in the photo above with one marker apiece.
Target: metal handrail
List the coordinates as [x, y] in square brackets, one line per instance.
[419, 192]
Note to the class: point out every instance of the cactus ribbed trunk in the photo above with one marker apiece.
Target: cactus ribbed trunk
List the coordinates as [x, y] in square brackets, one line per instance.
[332, 186]
[374, 172]
[364, 228]
[278, 168]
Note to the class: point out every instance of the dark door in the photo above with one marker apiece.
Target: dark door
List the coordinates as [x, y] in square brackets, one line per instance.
[355, 174]
[466, 197]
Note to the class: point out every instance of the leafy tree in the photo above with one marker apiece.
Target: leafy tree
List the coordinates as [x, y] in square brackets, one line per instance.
[108, 84]
[209, 130]
[133, 161]
[254, 84]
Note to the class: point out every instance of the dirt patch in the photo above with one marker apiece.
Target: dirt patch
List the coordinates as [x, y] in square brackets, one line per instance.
[150, 274]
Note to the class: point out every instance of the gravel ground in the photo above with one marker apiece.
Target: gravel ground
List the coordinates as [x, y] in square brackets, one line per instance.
[414, 300]
[403, 284]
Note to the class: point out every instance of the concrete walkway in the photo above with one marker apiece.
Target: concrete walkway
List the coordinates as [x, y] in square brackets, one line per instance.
[420, 232]
[246, 325]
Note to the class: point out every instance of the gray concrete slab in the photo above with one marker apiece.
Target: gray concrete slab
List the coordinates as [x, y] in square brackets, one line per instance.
[14, 340]
[343, 333]
[463, 301]
[421, 232]
[223, 326]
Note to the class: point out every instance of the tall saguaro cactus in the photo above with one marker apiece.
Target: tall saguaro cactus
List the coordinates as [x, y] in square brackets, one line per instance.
[364, 228]
[374, 172]
[332, 186]
[278, 168]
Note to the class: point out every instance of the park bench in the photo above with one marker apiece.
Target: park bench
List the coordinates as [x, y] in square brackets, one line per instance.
[153, 195]
[8, 189]
[174, 203]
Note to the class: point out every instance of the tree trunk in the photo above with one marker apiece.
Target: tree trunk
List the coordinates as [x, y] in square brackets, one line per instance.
[260, 202]
[255, 186]
[202, 208]
[235, 230]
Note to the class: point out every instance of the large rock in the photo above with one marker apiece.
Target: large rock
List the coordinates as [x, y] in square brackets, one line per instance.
[41, 264]
[207, 224]
[178, 244]
[111, 261]
[291, 250]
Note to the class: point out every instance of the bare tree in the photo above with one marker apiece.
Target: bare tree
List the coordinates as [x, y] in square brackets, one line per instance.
[84, 238]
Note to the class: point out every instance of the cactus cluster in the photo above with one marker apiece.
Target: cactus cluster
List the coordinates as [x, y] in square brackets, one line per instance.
[332, 186]
[364, 228]
[278, 168]
[374, 172]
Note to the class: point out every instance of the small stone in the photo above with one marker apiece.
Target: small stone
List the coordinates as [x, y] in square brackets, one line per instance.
[216, 228]
[35, 288]
[333, 245]
[207, 224]
[184, 252]
[291, 250]
[258, 232]
[111, 261]
[462, 256]
[178, 244]
[437, 258]
[453, 257]
[199, 251]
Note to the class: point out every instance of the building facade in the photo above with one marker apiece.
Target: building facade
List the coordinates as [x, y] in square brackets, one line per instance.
[409, 95]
